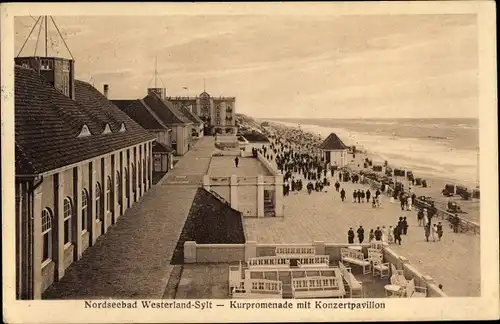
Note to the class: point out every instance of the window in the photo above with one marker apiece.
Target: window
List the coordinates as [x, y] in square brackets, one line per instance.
[127, 183]
[144, 172]
[46, 64]
[46, 234]
[68, 213]
[85, 213]
[85, 131]
[109, 194]
[107, 129]
[65, 66]
[119, 187]
[122, 128]
[134, 178]
[98, 207]
[157, 162]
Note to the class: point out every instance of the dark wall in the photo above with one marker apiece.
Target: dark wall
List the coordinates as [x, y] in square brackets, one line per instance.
[210, 221]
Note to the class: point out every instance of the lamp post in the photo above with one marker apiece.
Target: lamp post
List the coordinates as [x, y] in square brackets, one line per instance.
[187, 93]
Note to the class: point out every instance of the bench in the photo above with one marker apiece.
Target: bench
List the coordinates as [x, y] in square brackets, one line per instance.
[377, 245]
[374, 255]
[269, 262]
[413, 291]
[355, 287]
[317, 287]
[380, 268]
[259, 288]
[357, 258]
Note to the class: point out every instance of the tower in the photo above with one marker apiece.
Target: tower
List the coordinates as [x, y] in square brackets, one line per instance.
[161, 92]
[60, 72]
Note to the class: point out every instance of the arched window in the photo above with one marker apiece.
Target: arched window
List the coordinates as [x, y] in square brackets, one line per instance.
[98, 207]
[109, 194]
[85, 211]
[68, 213]
[118, 185]
[134, 178]
[144, 172]
[46, 234]
[127, 183]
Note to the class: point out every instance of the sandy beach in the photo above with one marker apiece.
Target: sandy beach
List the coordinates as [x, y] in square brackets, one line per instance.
[435, 184]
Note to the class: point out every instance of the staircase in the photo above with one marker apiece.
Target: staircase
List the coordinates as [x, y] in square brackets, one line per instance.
[269, 210]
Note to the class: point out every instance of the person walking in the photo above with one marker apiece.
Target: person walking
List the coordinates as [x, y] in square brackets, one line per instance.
[337, 186]
[236, 161]
[420, 217]
[427, 232]
[361, 234]
[405, 226]
[390, 235]
[378, 234]
[434, 232]
[397, 234]
[354, 195]
[371, 236]
[342, 194]
[408, 203]
[439, 231]
[360, 195]
[350, 236]
[384, 234]
[368, 194]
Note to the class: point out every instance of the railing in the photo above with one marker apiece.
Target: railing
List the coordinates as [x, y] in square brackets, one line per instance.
[465, 225]
[297, 250]
[272, 261]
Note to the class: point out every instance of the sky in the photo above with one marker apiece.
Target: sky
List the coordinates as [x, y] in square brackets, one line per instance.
[350, 66]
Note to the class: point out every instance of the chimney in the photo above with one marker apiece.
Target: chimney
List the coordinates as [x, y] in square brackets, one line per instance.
[106, 89]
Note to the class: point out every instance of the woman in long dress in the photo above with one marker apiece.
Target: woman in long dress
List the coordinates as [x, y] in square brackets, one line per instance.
[390, 236]
[434, 232]
[408, 203]
[384, 234]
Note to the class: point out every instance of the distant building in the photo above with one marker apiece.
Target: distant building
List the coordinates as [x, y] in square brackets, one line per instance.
[218, 113]
[80, 164]
[139, 111]
[334, 151]
[157, 108]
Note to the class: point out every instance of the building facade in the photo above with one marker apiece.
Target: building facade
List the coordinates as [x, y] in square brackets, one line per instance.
[80, 164]
[218, 113]
[334, 151]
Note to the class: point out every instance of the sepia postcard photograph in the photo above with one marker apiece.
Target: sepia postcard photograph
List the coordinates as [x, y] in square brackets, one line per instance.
[249, 162]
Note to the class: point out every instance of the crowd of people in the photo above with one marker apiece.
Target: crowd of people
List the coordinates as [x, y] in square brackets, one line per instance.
[295, 154]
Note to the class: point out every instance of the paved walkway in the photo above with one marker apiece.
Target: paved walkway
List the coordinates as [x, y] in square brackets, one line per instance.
[224, 166]
[133, 259]
[454, 262]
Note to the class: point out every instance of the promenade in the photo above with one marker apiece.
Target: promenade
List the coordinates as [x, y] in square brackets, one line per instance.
[322, 216]
[133, 259]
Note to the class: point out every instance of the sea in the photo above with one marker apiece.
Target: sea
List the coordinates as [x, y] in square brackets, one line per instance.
[443, 148]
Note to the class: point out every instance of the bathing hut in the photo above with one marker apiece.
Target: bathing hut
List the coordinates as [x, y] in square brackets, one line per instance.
[334, 151]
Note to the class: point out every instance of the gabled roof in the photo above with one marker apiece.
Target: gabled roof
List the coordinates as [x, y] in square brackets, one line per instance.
[333, 142]
[162, 148]
[47, 124]
[165, 111]
[191, 116]
[142, 114]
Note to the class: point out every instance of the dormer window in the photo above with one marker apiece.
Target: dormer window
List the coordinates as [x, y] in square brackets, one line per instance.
[85, 131]
[46, 64]
[122, 128]
[107, 129]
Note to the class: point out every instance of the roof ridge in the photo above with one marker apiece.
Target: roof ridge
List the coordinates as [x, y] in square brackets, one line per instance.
[155, 116]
